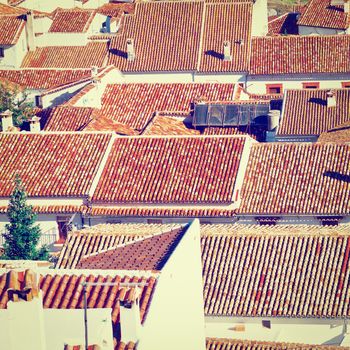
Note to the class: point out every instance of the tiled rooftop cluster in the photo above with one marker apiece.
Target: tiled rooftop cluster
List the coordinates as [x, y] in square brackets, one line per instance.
[10, 29]
[292, 178]
[57, 164]
[69, 57]
[135, 104]
[252, 273]
[162, 174]
[148, 253]
[306, 111]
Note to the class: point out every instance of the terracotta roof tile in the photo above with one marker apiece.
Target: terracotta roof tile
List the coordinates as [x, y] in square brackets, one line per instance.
[300, 54]
[68, 118]
[115, 10]
[340, 133]
[274, 274]
[74, 20]
[51, 164]
[226, 22]
[11, 28]
[44, 78]
[299, 178]
[285, 24]
[118, 100]
[150, 253]
[102, 237]
[306, 111]
[171, 170]
[53, 209]
[237, 344]
[173, 42]
[186, 45]
[10, 10]
[173, 125]
[93, 54]
[320, 13]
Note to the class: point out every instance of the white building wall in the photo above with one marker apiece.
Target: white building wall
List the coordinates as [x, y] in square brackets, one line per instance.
[304, 30]
[292, 330]
[257, 84]
[176, 314]
[14, 54]
[260, 18]
[61, 39]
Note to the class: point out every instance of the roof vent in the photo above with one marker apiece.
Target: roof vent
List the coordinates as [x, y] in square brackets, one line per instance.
[227, 51]
[331, 100]
[130, 49]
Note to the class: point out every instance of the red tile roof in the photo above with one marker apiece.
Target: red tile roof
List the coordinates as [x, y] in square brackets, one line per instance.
[53, 209]
[93, 54]
[306, 111]
[299, 178]
[10, 10]
[160, 45]
[11, 28]
[171, 170]
[173, 125]
[237, 344]
[285, 24]
[51, 164]
[340, 134]
[116, 10]
[74, 20]
[151, 211]
[320, 13]
[226, 22]
[150, 253]
[102, 237]
[69, 118]
[189, 44]
[276, 274]
[44, 78]
[300, 54]
[119, 100]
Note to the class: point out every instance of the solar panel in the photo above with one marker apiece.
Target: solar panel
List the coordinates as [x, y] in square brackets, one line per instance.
[228, 114]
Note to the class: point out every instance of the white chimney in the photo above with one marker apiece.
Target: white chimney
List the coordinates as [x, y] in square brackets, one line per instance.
[227, 51]
[97, 98]
[30, 31]
[130, 49]
[94, 71]
[35, 124]
[6, 120]
[130, 320]
[331, 100]
[346, 6]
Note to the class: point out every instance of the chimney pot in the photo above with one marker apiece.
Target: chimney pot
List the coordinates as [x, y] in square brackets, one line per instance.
[227, 51]
[130, 49]
[7, 121]
[94, 71]
[331, 100]
[35, 124]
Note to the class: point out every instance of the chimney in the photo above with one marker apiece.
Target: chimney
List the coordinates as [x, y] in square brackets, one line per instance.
[94, 71]
[346, 6]
[331, 100]
[30, 31]
[97, 98]
[6, 120]
[130, 49]
[130, 321]
[25, 317]
[35, 124]
[227, 51]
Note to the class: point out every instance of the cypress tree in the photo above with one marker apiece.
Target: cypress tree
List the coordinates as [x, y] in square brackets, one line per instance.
[21, 236]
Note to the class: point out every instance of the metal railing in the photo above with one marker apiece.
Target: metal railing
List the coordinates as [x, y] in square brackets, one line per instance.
[48, 237]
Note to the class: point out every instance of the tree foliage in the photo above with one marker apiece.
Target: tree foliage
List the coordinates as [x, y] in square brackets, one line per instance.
[22, 237]
[15, 99]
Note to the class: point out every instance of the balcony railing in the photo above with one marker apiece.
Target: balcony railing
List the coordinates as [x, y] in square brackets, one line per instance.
[48, 237]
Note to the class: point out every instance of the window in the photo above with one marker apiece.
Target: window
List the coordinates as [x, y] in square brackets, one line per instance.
[38, 101]
[345, 84]
[274, 88]
[266, 324]
[314, 85]
[2, 53]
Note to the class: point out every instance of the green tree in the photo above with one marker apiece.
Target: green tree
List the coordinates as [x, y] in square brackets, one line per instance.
[15, 99]
[21, 236]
